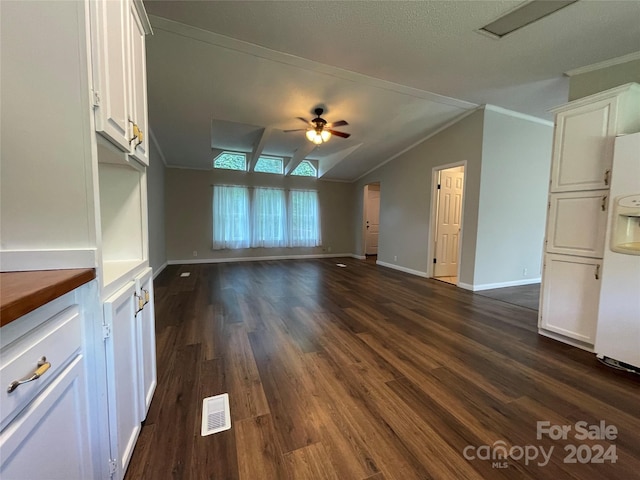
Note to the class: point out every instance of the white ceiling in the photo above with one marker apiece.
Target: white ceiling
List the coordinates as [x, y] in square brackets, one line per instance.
[219, 73]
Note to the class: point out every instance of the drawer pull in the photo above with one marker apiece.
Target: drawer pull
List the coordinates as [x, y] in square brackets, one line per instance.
[43, 366]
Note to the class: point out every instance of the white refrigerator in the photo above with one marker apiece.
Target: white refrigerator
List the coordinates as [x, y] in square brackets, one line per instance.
[618, 329]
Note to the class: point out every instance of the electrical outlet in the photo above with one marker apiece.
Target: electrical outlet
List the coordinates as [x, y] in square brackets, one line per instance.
[195, 253]
[395, 257]
[525, 271]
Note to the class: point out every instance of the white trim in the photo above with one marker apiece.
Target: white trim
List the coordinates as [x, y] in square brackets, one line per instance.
[600, 65]
[613, 92]
[299, 62]
[359, 257]
[567, 340]
[257, 259]
[402, 269]
[459, 118]
[159, 270]
[29, 260]
[521, 116]
[157, 145]
[490, 286]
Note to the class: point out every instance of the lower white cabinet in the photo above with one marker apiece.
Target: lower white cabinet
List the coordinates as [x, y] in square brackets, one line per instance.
[131, 364]
[146, 340]
[570, 296]
[46, 423]
[121, 344]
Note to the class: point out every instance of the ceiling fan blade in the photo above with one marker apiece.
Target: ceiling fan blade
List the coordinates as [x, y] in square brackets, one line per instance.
[339, 134]
[339, 123]
[295, 130]
[305, 120]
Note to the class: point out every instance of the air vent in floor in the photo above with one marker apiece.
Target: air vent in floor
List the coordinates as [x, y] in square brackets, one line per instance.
[216, 416]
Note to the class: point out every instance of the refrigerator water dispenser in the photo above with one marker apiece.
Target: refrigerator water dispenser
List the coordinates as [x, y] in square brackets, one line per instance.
[625, 232]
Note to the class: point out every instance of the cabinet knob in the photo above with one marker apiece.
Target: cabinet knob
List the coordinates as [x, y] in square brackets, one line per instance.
[40, 370]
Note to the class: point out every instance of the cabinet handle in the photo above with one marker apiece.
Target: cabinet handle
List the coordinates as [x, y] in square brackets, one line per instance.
[607, 173]
[42, 367]
[604, 203]
[136, 132]
[598, 271]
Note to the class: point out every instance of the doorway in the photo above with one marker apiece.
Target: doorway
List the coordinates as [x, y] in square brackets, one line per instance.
[371, 219]
[446, 213]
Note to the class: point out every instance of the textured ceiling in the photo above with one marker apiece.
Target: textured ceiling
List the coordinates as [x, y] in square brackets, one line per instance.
[312, 50]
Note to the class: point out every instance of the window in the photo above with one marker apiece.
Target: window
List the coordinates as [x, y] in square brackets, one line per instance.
[265, 218]
[304, 219]
[269, 218]
[230, 217]
[269, 165]
[305, 169]
[231, 161]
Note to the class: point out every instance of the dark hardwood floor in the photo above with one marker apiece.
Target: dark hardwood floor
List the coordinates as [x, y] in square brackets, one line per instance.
[367, 373]
[527, 296]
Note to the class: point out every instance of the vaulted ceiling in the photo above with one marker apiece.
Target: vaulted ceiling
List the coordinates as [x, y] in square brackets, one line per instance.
[234, 75]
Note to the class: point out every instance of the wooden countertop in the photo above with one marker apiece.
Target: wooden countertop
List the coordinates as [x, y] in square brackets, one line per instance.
[23, 292]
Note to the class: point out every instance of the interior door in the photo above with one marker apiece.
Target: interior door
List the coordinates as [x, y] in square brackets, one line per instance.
[373, 219]
[449, 222]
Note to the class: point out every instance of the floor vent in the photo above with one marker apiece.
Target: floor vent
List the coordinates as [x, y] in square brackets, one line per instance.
[185, 274]
[342, 265]
[216, 416]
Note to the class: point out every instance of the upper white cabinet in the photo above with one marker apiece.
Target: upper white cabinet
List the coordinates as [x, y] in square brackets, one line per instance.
[119, 74]
[584, 133]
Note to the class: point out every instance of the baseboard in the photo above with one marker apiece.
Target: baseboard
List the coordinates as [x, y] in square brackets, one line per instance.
[159, 270]
[567, 340]
[257, 259]
[490, 286]
[402, 269]
[29, 260]
[359, 257]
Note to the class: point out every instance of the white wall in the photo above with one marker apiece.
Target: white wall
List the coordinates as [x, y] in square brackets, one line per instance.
[405, 197]
[516, 162]
[603, 79]
[156, 208]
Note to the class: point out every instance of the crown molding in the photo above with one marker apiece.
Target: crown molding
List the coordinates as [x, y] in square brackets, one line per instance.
[600, 65]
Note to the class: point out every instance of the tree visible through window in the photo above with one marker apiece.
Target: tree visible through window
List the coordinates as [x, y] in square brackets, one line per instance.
[305, 169]
[231, 161]
[269, 165]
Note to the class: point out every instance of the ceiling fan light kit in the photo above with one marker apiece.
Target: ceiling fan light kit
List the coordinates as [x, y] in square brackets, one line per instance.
[321, 131]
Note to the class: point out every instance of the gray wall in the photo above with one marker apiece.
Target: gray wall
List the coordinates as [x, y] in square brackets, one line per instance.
[600, 80]
[156, 209]
[189, 223]
[516, 163]
[405, 197]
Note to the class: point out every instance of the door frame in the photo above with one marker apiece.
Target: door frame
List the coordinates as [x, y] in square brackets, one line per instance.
[433, 215]
[365, 204]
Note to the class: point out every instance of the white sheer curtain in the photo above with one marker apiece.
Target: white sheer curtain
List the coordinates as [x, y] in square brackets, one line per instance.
[230, 217]
[269, 218]
[304, 219]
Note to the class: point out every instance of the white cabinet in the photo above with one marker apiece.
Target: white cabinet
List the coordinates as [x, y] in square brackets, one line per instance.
[583, 138]
[570, 296]
[121, 347]
[581, 173]
[119, 74]
[47, 422]
[577, 223]
[146, 340]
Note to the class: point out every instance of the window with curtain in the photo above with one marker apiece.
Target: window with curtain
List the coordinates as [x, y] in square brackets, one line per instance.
[269, 218]
[304, 219]
[230, 217]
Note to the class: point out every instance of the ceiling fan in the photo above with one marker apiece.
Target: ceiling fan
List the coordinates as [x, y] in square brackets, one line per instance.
[320, 130]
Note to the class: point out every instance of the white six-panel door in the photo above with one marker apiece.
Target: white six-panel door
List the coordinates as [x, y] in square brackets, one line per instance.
[449, 222]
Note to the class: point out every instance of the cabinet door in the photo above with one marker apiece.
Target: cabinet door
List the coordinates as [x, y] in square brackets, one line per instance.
[123, 376]
[110, 39]
[583, 147]
[50, 437]
[570, 296]
[577, 223]
[146, 342]
[138, 88]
